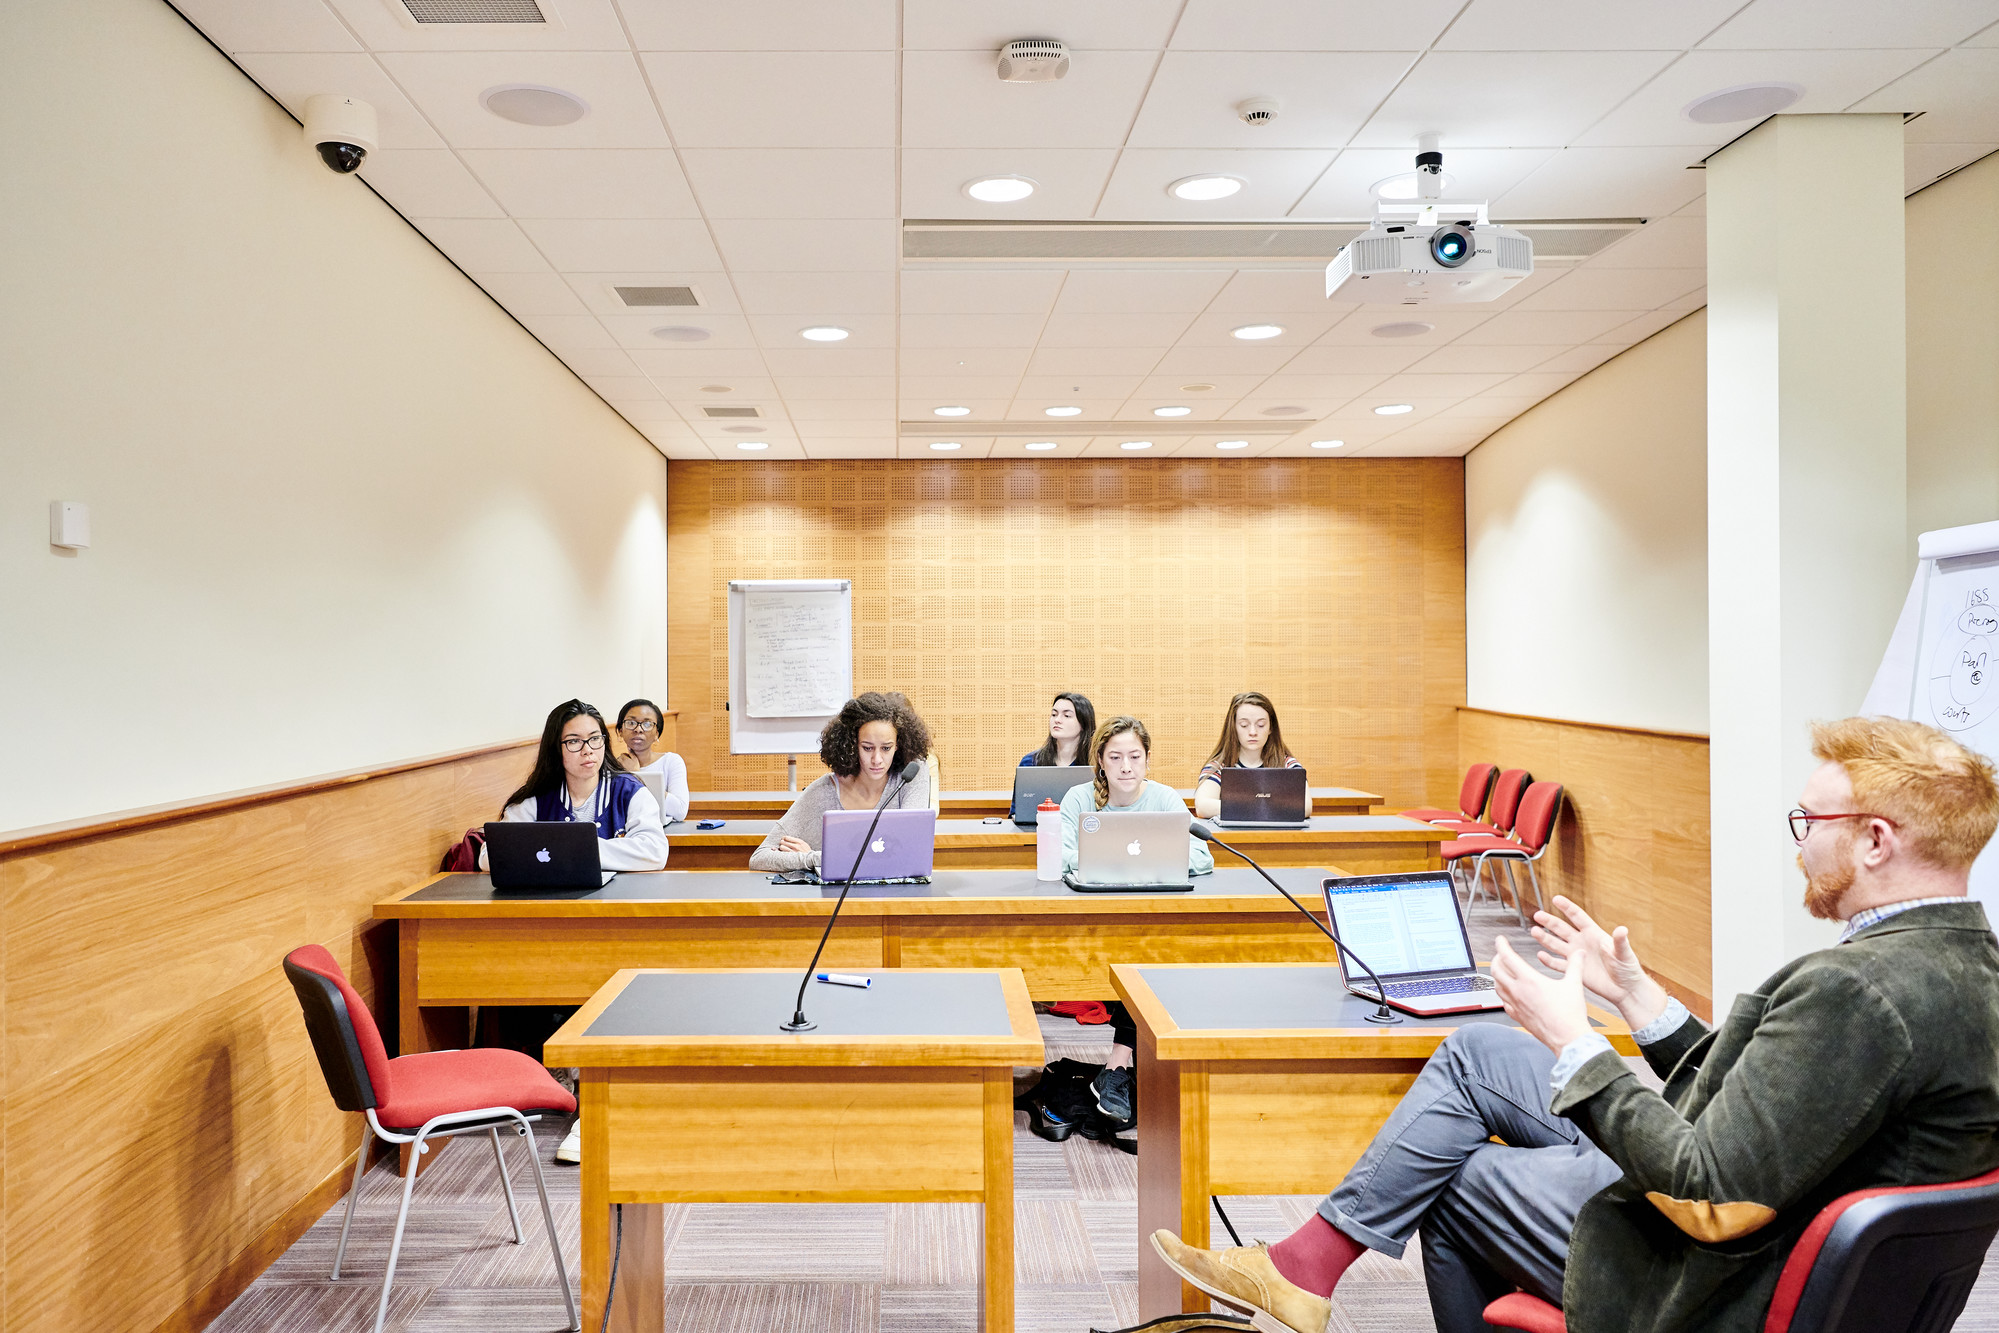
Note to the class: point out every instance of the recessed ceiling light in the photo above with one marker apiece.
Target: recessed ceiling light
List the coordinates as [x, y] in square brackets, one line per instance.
[718, 388]
[1172, 411]
[951, 411]
[1404, 186]
[1745, 101]
[1284, 410]
[945, 444]
[1405, 328]
[1327, 444]
[680, 333]
[1196, 388]
[999, 189]
[1040, 446]
[824, 333]
[1062, 411]
[1231, 444]
[745, 430]
[1252, 332]
[753, 444]
[1200, 189]
[1393, 409]
[1136, 444]
[532, 104]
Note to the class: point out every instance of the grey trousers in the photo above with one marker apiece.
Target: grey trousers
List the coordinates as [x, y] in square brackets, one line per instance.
[1493, 1218]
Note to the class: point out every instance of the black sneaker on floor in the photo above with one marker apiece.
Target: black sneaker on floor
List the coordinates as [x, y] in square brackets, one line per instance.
[1100, 1128]
[1116, 1092]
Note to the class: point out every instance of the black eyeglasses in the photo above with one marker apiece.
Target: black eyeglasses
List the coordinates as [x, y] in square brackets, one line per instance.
[1802, 821]
[638, 724]
[578, 744]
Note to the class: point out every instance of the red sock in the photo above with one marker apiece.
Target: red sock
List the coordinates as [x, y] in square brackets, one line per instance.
[1316, 1255]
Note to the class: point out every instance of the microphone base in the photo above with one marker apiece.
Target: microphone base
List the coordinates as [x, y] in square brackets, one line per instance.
[1383, 1015]
[799, 1023]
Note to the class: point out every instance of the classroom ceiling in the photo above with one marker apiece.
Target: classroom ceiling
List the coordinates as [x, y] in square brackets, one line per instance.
[767, 154]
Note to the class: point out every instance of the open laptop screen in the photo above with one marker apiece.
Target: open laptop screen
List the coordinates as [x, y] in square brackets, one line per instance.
[1399, 928]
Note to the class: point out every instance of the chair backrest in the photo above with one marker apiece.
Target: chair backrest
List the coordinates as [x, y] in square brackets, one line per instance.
[1507, 789]
[1890, 1260]
[1539, 808]
[1476, 789]
[344, 1035]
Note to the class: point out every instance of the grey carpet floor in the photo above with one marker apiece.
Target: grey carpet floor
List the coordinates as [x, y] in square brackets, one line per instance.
[783, 1268]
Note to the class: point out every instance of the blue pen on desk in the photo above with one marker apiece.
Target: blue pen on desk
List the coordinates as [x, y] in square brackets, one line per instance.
[843, 979]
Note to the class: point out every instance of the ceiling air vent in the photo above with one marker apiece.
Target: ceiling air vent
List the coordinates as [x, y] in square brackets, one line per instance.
[656, 296]
[474, 11]
[732, 411]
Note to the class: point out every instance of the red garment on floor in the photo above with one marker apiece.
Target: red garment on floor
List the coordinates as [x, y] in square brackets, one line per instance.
[1083, 1011]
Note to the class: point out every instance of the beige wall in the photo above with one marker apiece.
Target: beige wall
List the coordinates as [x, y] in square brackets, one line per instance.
[345, 510]
[1953, 276]
[1586, 546]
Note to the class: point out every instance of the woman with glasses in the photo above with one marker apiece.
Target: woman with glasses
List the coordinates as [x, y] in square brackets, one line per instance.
[576, 777]
[640, 723]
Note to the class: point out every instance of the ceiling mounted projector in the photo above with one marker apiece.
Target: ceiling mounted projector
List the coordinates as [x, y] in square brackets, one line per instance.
[1429, 250]
[1033, 60]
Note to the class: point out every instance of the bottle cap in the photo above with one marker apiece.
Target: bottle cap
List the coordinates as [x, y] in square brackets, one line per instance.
[1046, 804]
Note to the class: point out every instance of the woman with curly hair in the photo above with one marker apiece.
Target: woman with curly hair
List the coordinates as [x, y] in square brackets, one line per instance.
[866, 744]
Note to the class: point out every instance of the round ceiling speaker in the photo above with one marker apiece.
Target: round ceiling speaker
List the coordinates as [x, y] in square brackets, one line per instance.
[1745, 101]
[680, 333]
[531, 104]
[1407, 328]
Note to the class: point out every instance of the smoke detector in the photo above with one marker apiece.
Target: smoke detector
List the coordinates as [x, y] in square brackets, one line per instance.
[1033, 60]
[1257, 110]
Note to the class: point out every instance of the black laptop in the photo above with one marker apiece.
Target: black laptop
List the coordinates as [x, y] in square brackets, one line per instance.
[557, 854]
[1265, 798]
[1035, 784]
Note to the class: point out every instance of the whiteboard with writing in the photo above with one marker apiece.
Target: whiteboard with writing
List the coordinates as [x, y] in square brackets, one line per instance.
[791, 661]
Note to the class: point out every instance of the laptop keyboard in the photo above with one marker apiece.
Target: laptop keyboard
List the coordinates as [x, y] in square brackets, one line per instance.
[1442, 986]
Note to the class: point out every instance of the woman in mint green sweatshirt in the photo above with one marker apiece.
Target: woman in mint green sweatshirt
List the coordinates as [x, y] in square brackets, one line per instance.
[1118, 755]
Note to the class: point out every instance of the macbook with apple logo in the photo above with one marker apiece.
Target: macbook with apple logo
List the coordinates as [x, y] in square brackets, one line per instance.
[1131, 851]
[899, 852]
[545, 855]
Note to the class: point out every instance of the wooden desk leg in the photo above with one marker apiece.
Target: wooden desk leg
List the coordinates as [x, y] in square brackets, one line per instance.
[639, 1304]
[996, 1268]
[1172, 1174]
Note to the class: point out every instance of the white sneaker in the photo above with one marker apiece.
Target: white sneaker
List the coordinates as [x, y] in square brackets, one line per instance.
[571, 1150]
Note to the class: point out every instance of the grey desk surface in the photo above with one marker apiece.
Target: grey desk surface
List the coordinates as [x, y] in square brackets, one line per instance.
[738, 1004]
[745, 885]
[734, 830]
[1225, 998]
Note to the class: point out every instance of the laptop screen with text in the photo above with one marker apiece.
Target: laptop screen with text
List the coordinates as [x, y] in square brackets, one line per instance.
[1402, 928]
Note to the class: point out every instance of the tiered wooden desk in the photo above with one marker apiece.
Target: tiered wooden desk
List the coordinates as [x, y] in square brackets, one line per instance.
[977, 804]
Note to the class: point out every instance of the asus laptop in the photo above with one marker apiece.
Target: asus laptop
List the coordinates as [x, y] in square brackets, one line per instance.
[1131, 851]
[1032, 786]
[1265, 798]
[1409, 930]
[900, 851]
[557, 854]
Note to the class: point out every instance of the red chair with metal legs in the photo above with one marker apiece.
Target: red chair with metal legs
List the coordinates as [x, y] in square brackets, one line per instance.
[1899, 1259]
[1508, 789]
[414, 1098]
[1473, 793]
[1533, 830]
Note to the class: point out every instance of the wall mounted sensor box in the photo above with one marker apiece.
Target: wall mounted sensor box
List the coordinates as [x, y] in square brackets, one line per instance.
[69, 524]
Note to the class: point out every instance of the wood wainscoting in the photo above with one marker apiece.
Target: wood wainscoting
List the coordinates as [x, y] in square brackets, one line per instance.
[1632, 846]
[167, 1131]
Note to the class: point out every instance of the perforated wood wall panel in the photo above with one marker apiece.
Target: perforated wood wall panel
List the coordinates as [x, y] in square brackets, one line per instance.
[1158, 588]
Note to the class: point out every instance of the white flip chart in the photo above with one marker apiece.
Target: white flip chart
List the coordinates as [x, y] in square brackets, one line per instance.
[793, 645]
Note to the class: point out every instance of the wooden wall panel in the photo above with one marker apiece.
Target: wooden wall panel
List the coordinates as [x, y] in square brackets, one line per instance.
[1632, 846]
[1158, 588]
[163, 1115]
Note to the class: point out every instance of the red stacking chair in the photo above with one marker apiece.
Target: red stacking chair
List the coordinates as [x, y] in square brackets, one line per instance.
[413, 1098]
[1899, 1259]
[1508, 790]
[1533, 830]
[1473, 793]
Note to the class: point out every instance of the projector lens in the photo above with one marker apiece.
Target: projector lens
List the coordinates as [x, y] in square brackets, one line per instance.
[1451, 246]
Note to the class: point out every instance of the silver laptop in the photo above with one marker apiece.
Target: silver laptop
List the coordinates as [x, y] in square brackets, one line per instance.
[901, 849]
[1034, 784]
[1131, 851]
[550, 854]
[656, 784]
[1409, 930]
[1265, 798]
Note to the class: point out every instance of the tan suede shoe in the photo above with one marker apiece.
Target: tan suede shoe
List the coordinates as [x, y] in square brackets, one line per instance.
[1246, 1279]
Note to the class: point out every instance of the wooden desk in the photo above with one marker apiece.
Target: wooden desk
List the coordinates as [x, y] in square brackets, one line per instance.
[1358, 844]
[978, 804]
[461, 944]
[690, 1093]
[1258, 1080]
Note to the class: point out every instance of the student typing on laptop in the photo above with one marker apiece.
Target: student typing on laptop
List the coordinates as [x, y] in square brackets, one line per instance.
[1535, 1159]
[1251, 738]
[577, 778]
[869, 740]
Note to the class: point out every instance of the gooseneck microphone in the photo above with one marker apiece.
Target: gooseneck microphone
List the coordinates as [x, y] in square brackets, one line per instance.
[799, 1023]
[1382, 1013]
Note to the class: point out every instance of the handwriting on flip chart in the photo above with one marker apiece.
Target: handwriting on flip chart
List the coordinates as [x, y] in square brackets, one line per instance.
[1962, 693]
[792, 650]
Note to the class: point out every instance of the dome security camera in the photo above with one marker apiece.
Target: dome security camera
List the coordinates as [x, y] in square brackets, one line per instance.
[341, 129]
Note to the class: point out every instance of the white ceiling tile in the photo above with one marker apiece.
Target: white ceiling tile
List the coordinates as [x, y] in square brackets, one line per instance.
[1638, 328]
[427, 183]
[1227, 388]
[692, 391]
[1356, 329]
[1048, 390]
[1217, 328]
[1516, 99]
[598, 292]
[1241, 359]
[791, 25]
[1413, 387]
[826, 410]
[1487, 407]
[1061, 362]
[1017, 331]
[793, 182]
[1268, 293]
[838, 448]
[813, 294]
[720, 366]
[1539, 384]
[587, 25]
[943, 292]
[776, 99]
[1079, 328]
[585, 182]
[599, 361]
[1291, 388]
[1605, 183]
[655, 415]
[951, 99]
[863, 330]
[447, 87]
[564, 333]
[1473, 359]
[960, 25]
[1854, 23]
[1584, 25]
[483, 245]
[622, 388]
[271, 25]
[599, 245]
[1286, 25]
[636, 331]
[1068, 181]
[839, 386]
[293, 78]
[1958, 93]
[536, 294]
[1831, 80]
[969, 447]
[1579, 360]
[1667, 242]
[1273, 180]
[1926, 163]
[806, 359]
[1169, 291]
[1546, 327]
[985, 361]
[1377, 357]
[781, 245]
[1323, 96]
[1345, 191]
[931, 390]
[1615, 289]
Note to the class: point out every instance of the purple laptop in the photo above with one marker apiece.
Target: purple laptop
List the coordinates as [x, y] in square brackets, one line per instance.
[901, 848]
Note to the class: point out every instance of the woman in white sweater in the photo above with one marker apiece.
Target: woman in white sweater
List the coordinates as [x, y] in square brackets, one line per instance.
[577, 778]
[640, 725]
[866, 744]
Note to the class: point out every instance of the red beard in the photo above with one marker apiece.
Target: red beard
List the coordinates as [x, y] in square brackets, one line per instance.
[1823, 892]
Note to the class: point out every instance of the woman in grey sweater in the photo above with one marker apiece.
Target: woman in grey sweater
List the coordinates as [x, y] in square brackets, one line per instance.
[870, 740]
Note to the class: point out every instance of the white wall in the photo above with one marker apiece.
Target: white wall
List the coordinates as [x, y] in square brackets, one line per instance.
[1953, 277]
[1586, 546]
[345, 510]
